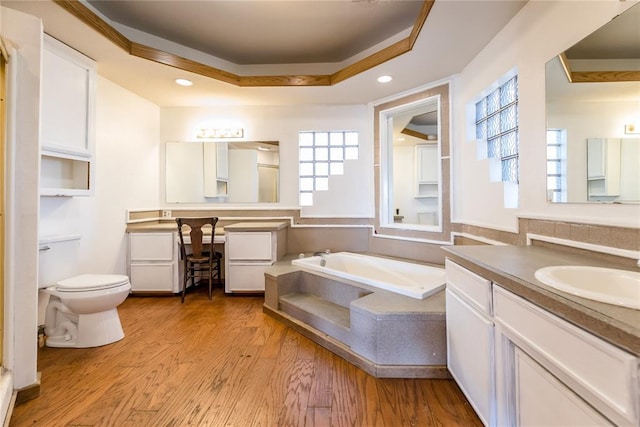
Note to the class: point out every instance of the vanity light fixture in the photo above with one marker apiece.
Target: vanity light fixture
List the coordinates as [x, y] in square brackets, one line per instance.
[210, 133]
[184, 82]
[384, 79]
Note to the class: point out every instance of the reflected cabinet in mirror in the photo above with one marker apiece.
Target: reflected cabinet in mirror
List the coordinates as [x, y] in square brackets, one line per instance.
[222, 172]
[593, 112]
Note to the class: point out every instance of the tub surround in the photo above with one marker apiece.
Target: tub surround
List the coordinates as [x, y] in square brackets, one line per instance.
[513, 268]
[617, 237]
[386, 334]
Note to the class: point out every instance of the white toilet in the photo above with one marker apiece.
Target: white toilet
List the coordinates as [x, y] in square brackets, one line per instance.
[82, 311]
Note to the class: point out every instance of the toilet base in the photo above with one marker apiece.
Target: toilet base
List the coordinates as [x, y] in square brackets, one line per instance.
[94, 330]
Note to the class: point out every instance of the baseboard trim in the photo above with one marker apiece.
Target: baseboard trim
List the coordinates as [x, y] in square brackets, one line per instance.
[29, 392]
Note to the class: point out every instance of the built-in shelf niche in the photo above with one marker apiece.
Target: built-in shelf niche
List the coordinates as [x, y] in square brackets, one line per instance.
[64, 176]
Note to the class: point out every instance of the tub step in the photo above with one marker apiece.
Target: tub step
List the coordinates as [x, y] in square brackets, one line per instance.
[328, 317]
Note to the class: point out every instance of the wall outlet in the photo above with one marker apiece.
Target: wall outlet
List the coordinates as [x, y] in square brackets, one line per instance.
[166, 214]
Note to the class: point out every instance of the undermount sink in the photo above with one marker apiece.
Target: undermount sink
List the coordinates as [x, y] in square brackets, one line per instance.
[613, 286]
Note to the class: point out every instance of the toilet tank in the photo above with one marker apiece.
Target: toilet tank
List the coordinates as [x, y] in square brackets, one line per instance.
[58, 259]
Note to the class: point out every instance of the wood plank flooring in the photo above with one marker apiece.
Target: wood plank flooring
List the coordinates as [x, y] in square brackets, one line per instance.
[224, 363]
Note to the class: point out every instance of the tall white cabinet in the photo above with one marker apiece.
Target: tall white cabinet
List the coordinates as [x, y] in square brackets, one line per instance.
[68, 121]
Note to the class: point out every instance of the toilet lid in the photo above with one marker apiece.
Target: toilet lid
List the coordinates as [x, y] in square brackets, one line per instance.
[92, 282]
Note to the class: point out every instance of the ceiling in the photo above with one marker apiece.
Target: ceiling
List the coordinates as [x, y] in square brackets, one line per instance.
[267, 32]
[618, 39]
[614, 46]
[287, 37]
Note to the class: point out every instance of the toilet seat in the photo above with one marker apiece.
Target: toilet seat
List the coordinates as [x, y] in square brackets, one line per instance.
[91, 282]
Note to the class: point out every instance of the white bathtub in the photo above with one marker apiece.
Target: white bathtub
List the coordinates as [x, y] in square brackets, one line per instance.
[405, 278]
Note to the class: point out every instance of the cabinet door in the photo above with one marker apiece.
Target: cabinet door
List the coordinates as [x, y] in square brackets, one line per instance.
[427, 167]
[542, 400]
[215, 170]
[222, 161]
[470, 355]
[152, 277]
[245, 277]
[596, 158]
[68, 87]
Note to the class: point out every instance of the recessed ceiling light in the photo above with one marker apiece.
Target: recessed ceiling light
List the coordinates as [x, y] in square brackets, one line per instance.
[184, 82]
[385, 79]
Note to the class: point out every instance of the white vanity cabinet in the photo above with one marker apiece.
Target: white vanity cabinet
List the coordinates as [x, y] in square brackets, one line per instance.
[520, 365]
[470, 338]
[550, 372]
[153, 262]
[68, 121]
[250, 248]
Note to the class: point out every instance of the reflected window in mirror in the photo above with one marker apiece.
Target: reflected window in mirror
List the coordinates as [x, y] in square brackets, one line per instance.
[557, 165]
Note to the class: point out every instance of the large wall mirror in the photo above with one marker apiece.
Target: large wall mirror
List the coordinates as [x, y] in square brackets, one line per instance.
[413, 143]
[593, 116]
[222, 172]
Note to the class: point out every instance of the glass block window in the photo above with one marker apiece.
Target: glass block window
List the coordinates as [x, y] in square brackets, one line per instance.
[323, 154]
[557, 165]
[497, 124]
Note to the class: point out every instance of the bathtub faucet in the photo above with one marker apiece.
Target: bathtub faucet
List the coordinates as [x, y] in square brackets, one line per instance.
[323, 260]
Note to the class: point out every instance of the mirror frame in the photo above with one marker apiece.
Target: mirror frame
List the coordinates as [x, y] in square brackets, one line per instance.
[382, 145]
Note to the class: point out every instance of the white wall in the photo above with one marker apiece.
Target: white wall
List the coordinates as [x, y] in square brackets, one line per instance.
[348, 195]
[539, 32]
[127, 176]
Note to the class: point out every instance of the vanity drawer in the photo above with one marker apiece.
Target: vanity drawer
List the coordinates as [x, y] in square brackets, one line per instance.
[249, 246]
[603, 375]
[475, 289]
[151, 246]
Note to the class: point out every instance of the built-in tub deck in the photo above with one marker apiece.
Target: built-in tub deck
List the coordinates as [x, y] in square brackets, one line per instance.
[386, 334]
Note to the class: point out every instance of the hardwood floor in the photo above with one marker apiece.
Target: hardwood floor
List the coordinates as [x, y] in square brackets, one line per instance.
[223, 362]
